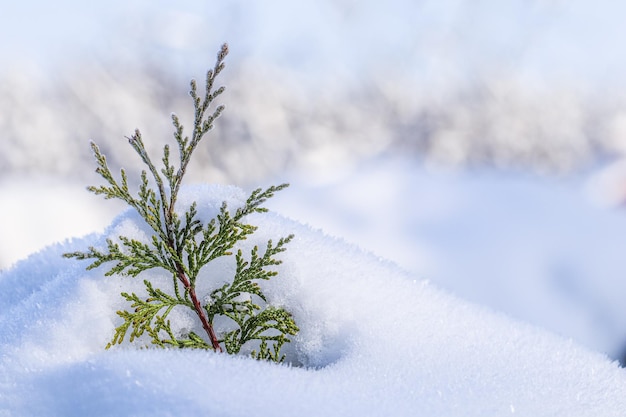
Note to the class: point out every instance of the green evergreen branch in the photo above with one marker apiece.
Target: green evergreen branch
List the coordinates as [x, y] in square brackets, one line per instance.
[234, 300]
[183, 246]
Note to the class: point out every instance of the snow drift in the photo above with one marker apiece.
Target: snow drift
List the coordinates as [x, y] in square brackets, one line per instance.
[374, 340]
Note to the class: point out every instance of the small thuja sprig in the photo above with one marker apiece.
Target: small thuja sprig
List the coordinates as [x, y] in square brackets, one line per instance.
[183, 246]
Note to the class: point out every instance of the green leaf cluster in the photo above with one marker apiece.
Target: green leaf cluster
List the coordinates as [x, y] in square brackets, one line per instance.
[183, 245]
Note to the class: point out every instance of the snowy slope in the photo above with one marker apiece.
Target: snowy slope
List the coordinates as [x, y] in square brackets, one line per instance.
[548, 251]
[375, 341]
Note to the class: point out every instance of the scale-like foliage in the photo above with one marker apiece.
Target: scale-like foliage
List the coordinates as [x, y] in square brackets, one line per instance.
[183, 246]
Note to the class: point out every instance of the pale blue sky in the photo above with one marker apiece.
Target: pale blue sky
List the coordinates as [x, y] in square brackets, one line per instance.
[545, 41]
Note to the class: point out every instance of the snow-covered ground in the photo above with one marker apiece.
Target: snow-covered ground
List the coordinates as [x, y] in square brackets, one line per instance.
[479, 292]
[374, 340]
[546, 251]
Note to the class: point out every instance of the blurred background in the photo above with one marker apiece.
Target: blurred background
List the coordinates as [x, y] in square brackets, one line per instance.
[477, 144]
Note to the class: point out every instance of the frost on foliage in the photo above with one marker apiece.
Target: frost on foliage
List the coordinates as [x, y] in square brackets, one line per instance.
[183, 245]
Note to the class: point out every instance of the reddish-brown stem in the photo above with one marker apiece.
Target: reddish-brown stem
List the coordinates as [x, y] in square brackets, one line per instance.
[208, 328]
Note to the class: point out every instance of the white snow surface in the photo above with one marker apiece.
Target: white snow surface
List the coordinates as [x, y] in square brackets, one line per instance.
[545, 250]
[374, 340]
